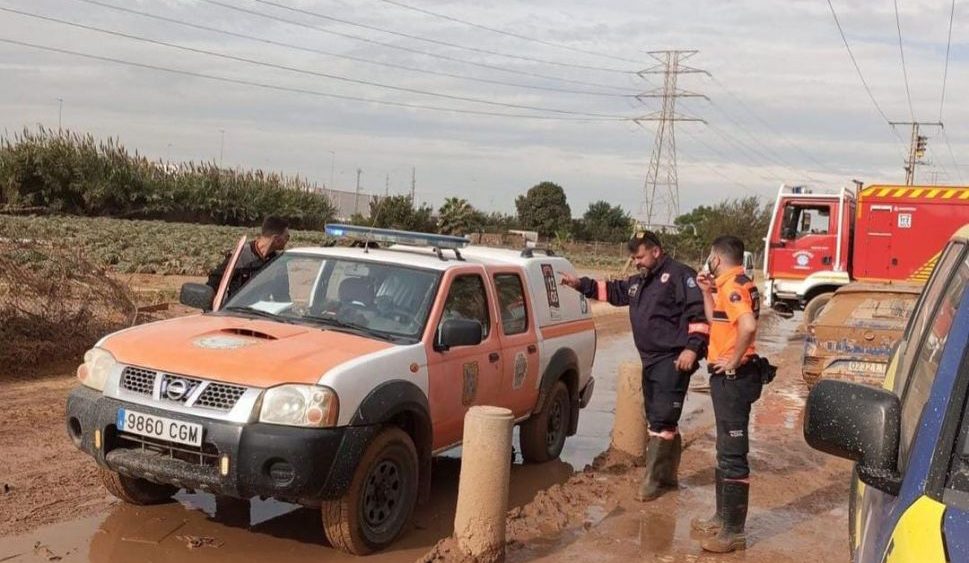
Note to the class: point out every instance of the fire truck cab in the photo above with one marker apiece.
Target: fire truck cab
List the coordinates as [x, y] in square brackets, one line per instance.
[808, 248]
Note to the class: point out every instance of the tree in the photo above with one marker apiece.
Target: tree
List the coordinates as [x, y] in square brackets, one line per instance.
[746, 218]
[457, 217]
[545, 209]
[397, 212]
[604, 222]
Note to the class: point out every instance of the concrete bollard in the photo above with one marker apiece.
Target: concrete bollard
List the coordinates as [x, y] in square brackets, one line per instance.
[629, 428]
[479, 521]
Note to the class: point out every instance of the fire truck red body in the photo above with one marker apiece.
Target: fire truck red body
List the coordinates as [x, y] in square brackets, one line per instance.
[817, 242]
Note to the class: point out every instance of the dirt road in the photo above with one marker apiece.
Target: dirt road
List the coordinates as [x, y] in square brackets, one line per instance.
[53, 505]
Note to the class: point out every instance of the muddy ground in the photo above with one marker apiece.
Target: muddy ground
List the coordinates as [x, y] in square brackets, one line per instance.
[51, 505]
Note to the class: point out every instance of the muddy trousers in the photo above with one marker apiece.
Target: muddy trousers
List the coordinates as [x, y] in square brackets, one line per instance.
[732, 399]
[664, 390]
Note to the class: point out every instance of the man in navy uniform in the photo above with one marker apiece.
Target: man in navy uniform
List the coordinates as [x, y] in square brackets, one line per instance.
[671, 332]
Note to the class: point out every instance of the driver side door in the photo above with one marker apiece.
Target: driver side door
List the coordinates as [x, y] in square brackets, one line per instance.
[462, 376]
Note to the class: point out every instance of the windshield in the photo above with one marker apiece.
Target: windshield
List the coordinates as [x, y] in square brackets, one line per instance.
[380, 299]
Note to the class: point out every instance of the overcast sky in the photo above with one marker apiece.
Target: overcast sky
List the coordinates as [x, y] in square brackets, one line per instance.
[785, 102]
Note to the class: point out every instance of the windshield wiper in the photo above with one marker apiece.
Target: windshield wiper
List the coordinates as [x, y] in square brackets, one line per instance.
[255, 312]
[357, 329]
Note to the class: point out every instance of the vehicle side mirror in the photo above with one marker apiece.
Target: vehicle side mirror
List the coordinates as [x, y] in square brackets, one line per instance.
[458, 332]
[196, 296]
[859, 423]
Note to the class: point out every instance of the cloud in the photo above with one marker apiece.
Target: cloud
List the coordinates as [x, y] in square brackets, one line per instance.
[785, 102]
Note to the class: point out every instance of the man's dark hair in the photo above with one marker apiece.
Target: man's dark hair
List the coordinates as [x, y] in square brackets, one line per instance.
[274, 225]
[730, 247]
[644, 238]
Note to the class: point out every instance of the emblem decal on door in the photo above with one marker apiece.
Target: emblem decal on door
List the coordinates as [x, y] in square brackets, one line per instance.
[521, 370]
[470, 389]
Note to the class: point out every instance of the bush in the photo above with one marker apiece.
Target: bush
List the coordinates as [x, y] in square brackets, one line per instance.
[75, 174]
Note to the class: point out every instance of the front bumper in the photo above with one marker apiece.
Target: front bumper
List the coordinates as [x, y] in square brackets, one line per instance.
[302, 465]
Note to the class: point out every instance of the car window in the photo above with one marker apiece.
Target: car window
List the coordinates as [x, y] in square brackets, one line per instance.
[928, 356]
[511, 299]
[467, 299]
[923, 313]
[801, 220]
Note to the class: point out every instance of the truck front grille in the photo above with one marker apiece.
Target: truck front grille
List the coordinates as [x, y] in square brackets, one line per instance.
[207, 455]
[220, 396]
[214, 396]
[137, 380]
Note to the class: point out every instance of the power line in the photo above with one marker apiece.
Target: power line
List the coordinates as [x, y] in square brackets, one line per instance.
[948, 45]
[855, 62]
[299, 70]
[434, 41]
[349, 57]
[504, 32]
[901, 51]
[400, 47]
[945, 137]
[303, 90]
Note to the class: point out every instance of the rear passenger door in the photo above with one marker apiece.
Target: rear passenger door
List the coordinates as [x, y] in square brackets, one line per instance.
[519, 342]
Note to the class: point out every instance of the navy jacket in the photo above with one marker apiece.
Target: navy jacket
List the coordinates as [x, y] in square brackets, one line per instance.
[665, 309]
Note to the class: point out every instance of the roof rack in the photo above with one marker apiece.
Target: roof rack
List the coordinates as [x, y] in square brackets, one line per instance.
[529, 252]
[368, 236]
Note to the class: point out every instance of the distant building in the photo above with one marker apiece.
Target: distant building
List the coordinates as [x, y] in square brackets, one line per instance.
[347, 203]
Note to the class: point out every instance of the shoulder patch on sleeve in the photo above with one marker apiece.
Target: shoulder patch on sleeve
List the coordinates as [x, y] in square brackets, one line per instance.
[691, 281]
[735, 297]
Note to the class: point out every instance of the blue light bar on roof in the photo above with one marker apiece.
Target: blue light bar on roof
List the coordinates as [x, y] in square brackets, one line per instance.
[393, 236]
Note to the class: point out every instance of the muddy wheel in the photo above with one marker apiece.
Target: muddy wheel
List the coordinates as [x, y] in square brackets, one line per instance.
[381, 497]
[543, 435]
[814, 307]
[135, 491]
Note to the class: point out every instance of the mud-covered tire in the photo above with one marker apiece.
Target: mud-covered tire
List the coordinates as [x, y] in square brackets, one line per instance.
[381, 498]
[814, 307]
[543, 435]
[135, 491]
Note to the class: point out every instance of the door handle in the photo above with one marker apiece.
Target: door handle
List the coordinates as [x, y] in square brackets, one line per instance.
[493, 357]
[532, 348]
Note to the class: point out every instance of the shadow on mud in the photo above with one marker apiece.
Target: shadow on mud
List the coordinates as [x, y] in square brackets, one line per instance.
[202, 528]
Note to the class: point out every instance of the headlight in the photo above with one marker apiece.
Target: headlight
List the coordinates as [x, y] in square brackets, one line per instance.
[98, 364]
[300, 405]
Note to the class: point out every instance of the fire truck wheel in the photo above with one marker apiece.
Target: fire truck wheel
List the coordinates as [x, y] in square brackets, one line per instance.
[381, 497]
[135, 491]
[814, 307]
[543, 435]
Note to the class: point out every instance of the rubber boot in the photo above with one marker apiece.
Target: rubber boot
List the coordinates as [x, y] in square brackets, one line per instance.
[658, 458]
[671, 478]
[731, 536]
[712, 525]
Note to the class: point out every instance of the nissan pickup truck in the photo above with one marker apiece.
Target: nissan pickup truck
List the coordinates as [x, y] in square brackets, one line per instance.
[335, 374]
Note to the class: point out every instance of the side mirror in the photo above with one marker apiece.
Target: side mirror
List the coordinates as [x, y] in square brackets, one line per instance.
[458, 332]
[196, 296]
[859, 423]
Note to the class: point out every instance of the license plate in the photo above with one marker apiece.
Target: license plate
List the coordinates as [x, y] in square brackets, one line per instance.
[159, 427]
[874, 368]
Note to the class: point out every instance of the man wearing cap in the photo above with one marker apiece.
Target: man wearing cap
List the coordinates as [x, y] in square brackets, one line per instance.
[671, 331]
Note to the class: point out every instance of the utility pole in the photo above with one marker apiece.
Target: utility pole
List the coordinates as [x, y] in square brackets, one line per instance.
[916, 149]
[60, 112]
[332, 167]
[221, 146]
[413, 184]
[356, 198]
[387, 186]
[661, 189]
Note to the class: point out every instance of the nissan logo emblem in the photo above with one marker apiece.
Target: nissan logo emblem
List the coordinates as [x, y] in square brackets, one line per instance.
[176, 389]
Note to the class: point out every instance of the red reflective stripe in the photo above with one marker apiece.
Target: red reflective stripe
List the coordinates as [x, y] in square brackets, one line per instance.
[601, 293]
[701, 328]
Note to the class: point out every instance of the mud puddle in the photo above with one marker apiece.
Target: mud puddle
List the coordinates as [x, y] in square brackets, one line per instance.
[201, 528]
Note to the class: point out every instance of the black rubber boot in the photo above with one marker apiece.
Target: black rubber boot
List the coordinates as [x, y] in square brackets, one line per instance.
[731, 536]
[712, 525]
[659, 456]
[671, 478]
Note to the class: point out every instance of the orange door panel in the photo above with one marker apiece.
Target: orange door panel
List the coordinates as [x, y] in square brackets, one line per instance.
[519, 341]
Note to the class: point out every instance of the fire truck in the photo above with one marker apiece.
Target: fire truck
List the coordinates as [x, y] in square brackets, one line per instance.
[818, 242]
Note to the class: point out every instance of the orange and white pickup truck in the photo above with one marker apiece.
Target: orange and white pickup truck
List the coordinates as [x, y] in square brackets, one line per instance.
[333, 376]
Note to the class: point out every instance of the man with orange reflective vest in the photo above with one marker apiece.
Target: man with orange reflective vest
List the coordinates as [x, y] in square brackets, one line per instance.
[732, 304]
[670, 332]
